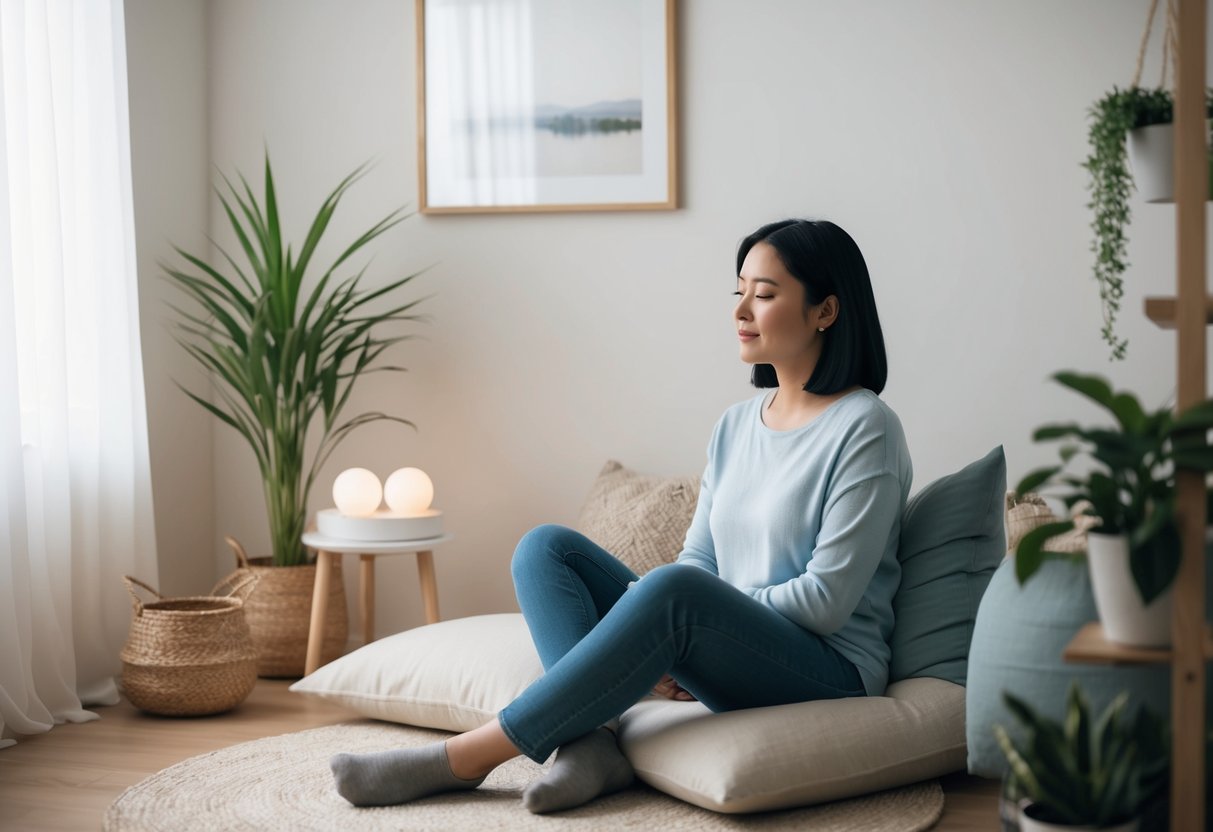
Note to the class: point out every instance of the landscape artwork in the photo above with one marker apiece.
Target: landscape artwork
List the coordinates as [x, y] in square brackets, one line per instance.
[546, 105]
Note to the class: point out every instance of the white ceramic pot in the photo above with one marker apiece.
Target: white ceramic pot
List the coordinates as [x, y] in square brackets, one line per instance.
[1152, 160]
[1027, 823]
[1126, 620]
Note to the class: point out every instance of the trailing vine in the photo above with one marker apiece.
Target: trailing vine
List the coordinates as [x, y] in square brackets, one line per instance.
[1113, 116]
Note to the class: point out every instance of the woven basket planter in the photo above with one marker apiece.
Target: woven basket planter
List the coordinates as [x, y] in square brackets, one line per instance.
[279, 613]
[189, 656]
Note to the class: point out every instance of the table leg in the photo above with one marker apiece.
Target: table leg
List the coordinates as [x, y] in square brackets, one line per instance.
[429, 585]
[320, 603]
[368, 598]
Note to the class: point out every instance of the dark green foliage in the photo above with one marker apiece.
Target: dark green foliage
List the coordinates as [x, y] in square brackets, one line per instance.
[1131, 485]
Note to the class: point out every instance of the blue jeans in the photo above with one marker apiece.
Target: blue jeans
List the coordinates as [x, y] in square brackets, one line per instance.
[604, 646]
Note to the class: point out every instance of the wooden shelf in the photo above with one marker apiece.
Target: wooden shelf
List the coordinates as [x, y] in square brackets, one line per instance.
[1162, 311]
[1090, 647]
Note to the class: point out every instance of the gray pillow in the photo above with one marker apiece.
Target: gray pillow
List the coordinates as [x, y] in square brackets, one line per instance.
[952, 540]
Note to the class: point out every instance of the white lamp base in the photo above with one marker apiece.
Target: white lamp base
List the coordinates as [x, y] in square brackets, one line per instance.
[382, 525]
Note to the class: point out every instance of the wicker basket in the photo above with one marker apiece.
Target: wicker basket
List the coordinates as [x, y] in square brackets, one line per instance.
[189, 656]
[279, 615]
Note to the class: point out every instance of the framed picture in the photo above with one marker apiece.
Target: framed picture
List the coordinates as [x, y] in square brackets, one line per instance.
[546, 105]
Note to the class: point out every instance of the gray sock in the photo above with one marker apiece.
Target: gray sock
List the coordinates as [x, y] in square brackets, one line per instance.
[585, 768]
[387, 778]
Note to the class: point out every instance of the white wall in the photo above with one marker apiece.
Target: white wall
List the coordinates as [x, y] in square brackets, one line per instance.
[946, 136]
[166, 71]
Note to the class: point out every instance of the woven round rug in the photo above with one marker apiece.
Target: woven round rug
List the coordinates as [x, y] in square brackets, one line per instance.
[284, 783]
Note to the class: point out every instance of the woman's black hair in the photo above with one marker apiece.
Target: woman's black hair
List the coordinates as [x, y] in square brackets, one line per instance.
[827, 262]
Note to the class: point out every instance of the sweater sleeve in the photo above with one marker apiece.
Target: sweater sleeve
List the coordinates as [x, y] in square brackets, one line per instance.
[699, 549]
[855, 530]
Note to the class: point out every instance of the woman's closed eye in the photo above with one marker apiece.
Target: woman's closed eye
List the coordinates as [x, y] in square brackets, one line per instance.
[759, 297]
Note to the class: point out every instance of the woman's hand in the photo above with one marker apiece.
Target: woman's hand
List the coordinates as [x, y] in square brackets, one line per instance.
[670, 689]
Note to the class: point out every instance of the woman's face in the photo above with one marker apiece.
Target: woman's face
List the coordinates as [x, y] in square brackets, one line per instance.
[771, 319]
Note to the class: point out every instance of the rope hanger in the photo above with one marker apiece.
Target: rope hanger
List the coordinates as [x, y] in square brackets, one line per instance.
[1170, 45]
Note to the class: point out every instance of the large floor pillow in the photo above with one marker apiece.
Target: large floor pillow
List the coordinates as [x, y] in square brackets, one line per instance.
[782, 756]
[1018, 640]
[456, 675]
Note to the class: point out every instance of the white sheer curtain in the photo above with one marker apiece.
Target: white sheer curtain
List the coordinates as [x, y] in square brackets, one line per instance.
[75, 483]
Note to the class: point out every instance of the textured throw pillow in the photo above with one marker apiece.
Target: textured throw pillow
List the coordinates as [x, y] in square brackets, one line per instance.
[952, 540]
[454, 675]
[642, 520]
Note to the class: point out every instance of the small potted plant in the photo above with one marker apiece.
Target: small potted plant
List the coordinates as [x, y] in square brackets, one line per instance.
[1144, 116]
[1084, 773]
[284, 359]
[1128, 480]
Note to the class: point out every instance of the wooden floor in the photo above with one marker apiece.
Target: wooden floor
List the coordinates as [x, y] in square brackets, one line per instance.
[65, 779]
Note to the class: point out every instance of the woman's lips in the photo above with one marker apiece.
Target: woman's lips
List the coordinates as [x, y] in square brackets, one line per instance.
[747, 336]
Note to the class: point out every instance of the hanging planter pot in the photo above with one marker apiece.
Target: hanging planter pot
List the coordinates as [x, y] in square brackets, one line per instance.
[1125, 619]
[1152, 159]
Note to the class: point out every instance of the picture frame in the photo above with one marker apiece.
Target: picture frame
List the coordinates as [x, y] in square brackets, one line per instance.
[546, 105]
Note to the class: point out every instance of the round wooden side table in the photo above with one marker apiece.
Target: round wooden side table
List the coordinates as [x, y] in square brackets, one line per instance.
[329, 547]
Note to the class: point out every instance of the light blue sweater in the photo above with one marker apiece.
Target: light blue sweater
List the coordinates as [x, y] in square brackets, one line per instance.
[807, 521]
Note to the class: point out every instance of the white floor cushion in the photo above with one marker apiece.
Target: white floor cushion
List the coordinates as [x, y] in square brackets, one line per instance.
[454, 675]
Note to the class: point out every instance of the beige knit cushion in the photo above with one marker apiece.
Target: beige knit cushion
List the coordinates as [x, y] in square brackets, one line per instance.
[1030, 511]
[640, 519]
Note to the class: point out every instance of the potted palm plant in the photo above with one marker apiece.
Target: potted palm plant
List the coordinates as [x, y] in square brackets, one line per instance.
[1128, 480]
[284, 359]
[1085, 774]
[1144, 118]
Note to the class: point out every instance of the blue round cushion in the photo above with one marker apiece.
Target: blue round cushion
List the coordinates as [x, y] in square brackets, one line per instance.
[1018, 639]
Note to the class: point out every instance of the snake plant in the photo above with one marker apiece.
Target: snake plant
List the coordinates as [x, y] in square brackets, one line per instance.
[1087, 771]
[283, 358]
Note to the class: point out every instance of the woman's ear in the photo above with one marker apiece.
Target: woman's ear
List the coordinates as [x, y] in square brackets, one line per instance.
[827, 311]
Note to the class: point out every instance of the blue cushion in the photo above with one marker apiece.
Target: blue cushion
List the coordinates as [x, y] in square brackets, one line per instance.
[1017, 645]
[952, 540]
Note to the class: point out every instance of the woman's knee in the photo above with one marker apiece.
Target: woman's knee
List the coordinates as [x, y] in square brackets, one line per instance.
[538, 545]
[674, 580]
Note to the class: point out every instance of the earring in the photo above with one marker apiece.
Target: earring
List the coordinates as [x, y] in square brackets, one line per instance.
[821, 329]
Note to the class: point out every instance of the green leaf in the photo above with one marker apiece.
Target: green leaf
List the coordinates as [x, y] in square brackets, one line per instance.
[1197, 417]
[1128, 412]
[1048, 432]
[1030, 553]
[1094, 387]
[1199, 459]
[1154, 557]
[1035, 480]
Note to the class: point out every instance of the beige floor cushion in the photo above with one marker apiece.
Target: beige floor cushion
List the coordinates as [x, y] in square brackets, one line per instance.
[795, 755]
[456, 675]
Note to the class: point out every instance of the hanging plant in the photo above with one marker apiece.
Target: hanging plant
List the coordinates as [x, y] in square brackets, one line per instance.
[1112, 117]
[1111, 184]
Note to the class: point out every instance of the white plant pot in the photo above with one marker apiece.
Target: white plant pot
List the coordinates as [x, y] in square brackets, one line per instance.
[1126, 620]
[1027, 823]
[1152, 160]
